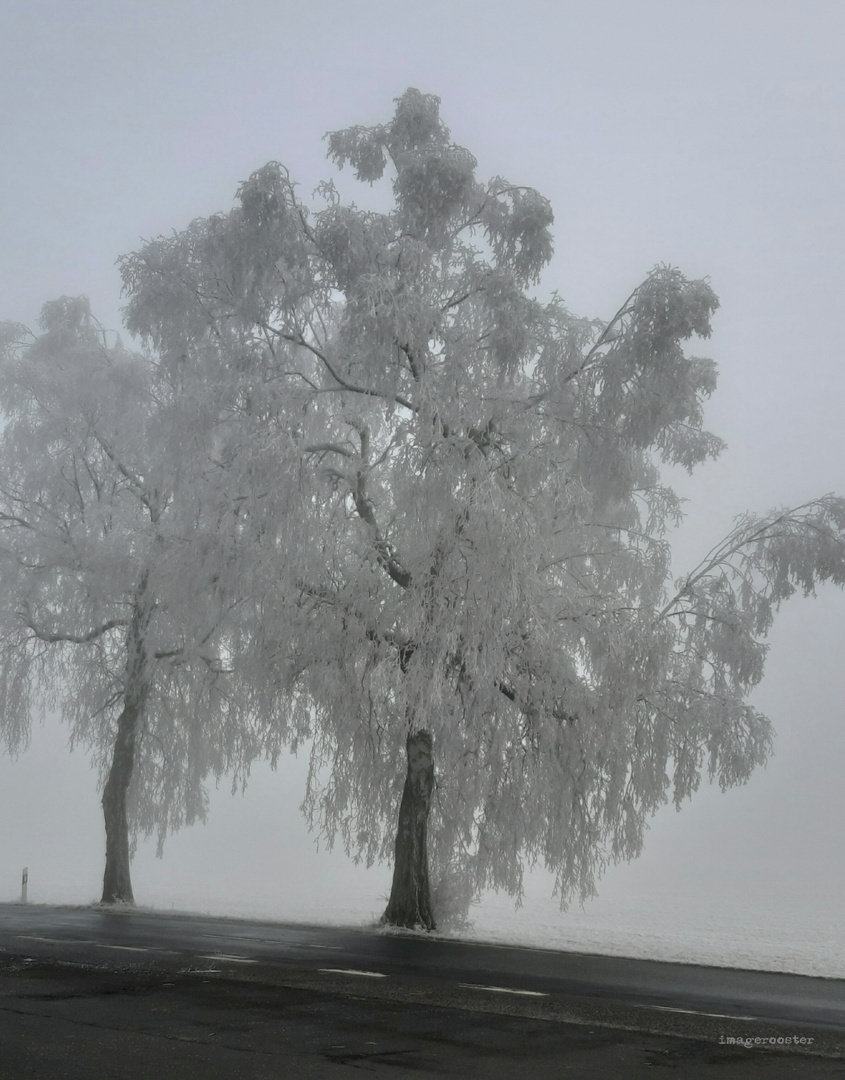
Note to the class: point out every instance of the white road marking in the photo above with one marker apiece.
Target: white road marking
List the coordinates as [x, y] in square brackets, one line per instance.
[68, 941]
[122, 948]
[271, 941]
[503, 990]
[50, 940]
[352, 971]
[231, 959]
[694, 1012]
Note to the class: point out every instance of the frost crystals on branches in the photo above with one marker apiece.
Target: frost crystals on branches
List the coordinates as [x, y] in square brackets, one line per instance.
[455, 488]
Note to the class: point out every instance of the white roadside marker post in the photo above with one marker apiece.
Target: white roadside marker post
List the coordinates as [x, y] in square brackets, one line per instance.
[24, 882]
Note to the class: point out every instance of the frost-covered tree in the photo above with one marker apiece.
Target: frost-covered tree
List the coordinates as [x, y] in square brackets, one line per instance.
[477, 576]
[114, 591]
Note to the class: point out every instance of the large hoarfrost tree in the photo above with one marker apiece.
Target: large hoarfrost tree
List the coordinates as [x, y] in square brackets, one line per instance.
[479, 576]
[115, 569]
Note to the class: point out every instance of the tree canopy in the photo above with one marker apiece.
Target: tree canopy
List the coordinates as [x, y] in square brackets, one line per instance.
[486, 556]
[448, 519]
[113, 562]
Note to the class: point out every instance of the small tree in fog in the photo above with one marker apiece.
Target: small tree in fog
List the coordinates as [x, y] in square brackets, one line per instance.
[478, 575]
[113, 576]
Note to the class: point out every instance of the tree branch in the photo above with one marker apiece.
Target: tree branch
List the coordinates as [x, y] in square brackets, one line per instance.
[75, 639]
[13, 519]
[328, 448]
[298, 339]
[511, 695]
[603, 338]
[384, 549]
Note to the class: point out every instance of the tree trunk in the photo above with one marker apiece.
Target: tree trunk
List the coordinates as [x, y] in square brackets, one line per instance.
[410, 895]
[117, 883]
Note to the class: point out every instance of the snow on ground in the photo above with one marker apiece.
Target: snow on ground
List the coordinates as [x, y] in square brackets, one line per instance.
[694, 921]
[784, 933]
[736, 880]
[675, 928]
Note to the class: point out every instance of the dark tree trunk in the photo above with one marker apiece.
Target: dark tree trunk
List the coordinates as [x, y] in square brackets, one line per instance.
[410, 895]
[117, 883]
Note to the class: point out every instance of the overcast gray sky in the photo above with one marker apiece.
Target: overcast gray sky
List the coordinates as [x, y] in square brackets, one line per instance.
[709, 136]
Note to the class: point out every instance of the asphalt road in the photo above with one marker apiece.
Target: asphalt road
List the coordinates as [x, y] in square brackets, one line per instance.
[99, 993]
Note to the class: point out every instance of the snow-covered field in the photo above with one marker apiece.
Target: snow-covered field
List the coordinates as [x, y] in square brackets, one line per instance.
[782, 933]
[779, 934]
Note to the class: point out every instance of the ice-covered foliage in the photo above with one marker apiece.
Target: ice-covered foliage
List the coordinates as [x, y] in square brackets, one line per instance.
[453, 499]
[116, 565]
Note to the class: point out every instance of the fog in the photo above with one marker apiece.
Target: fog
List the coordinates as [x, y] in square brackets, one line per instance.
[708, 137]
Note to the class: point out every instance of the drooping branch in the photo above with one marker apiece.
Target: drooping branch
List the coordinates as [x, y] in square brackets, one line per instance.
[74, 639]
[603, 339]
[741, 538]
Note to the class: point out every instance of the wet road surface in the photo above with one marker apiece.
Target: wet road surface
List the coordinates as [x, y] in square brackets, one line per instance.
[96, 993]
